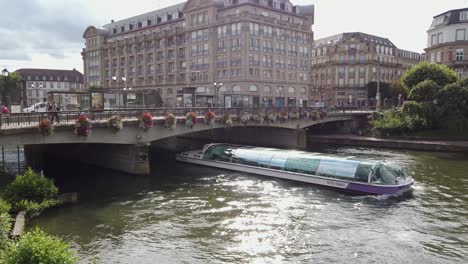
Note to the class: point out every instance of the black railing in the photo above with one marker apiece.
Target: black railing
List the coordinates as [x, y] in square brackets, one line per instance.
[135, 112]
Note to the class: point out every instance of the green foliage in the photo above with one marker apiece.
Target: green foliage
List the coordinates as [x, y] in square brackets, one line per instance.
[438, 73]
[29, 189]
[9, 88]
[396, 122]
[384, 89]
[425, 91]
[38, 247]
[5, 223]
[453, 106]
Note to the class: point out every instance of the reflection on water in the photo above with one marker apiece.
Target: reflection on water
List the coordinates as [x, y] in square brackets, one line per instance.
[191, 214]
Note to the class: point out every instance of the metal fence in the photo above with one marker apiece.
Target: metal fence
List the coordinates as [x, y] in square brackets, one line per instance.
[32, 119]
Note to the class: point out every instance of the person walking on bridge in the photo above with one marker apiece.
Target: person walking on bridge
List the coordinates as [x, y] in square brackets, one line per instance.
[54, 108]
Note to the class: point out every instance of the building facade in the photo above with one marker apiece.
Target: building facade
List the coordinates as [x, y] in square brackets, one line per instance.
[447, 40]
[258, 49]
[37, 83]
[343, 65]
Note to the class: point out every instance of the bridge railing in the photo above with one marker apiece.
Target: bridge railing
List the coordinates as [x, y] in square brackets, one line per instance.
[33, 119]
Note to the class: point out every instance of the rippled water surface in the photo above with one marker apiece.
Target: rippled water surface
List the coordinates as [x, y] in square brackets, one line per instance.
[190, 214]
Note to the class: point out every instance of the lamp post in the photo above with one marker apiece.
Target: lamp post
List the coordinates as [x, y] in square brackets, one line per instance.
[377, 95]
[5, 74]
[217, 85]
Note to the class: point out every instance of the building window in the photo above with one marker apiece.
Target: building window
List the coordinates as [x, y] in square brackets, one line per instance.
[433, 40]
[438, 57]
[464, 16]
[461, 33]
[253, 88]
[440, 38]
[459, 55]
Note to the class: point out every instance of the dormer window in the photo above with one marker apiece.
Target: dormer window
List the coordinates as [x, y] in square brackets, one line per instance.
[130, 27]
[140, 24]
[169, 17]
[148, 22]
[464, 16]
[439, 20]
[114, 31]
[276, 4]
[122, 29]
[158, 20]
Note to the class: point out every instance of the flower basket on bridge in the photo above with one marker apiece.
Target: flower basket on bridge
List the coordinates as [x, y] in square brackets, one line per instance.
[45, 127]
[170, 121]
[293, 116]
[272, 117]
[323, 114]
[210, 118]
[227, 121]
[258, 118]
[190, 119]
[146, 121]
[283, 116]
[83, 126]
[314, 115]
[115, 124]
[304, 115]
[245, 118]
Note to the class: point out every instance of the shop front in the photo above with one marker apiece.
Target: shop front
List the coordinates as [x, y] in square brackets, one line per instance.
[236, 100]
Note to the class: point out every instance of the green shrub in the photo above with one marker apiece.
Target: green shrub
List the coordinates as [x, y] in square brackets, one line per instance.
[30, 187]
[440, 74]
[396, 122]
[425, 91]
[38, 247]
[5, 223]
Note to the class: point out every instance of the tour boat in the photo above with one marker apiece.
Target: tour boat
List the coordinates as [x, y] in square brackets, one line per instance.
[344, 173]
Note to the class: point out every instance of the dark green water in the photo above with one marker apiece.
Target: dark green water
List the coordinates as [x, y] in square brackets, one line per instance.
[190, 214]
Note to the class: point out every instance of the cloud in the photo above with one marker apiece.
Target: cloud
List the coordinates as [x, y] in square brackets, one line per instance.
[51, 27]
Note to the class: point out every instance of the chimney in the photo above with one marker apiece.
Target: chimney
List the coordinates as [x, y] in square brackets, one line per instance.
[112, 21]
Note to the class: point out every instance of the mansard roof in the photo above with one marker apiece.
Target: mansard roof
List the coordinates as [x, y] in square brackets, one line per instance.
[342, 37]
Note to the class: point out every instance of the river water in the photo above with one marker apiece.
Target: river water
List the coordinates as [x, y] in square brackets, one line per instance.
[190, 214]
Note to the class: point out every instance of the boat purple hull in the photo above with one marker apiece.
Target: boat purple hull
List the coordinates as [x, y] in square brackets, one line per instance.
[376, 189]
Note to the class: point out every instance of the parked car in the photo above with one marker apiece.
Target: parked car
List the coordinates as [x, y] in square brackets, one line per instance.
[38, 107]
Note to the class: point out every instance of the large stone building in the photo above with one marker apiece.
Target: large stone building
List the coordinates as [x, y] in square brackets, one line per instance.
[37, 83]
[343, 65]
[258, 49]
[447, 40]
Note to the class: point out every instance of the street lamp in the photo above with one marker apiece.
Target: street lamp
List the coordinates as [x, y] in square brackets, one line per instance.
[5, 73]
[377, 95]
[217, 86]
[3, 87]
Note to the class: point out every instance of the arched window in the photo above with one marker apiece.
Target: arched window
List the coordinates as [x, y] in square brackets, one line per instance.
[236, 88]
[222, 89]
[267, 89]
[291, 90]
[253, 88]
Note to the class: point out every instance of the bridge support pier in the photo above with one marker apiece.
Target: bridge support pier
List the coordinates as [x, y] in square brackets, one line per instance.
[132, 159]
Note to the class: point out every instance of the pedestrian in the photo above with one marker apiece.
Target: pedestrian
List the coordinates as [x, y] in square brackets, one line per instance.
[54, 115]
[4, 109]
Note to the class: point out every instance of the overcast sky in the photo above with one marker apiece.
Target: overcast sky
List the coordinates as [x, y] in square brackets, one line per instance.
[48, 33]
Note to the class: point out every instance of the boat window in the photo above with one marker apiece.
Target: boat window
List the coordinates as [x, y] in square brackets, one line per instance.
[245, 157]
[302, 165]
[337, 168]
[278, 163]
[263, 160]
[362, 172]
[387, 175]
[218, 152]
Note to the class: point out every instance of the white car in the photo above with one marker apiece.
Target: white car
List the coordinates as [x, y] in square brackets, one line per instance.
[38, 107]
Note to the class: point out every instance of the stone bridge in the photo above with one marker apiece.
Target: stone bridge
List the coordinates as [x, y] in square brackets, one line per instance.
[127, 149]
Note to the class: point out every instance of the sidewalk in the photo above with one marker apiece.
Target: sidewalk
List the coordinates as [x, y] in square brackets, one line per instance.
[428, 145]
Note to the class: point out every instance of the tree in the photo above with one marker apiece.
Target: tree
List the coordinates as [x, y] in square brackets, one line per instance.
[425, 91]
[372, 89]
[396, 90]
[9, 88]
[438, 73]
